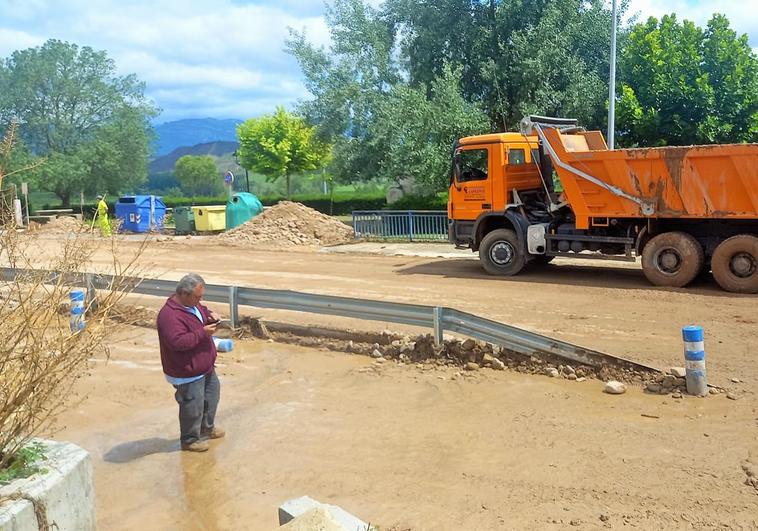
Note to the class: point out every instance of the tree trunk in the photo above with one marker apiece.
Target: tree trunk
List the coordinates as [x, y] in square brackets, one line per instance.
[289, 189]
[66, 199]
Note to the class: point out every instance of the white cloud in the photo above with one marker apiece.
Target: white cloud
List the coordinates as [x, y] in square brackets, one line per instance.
[11, 39]
[183, 50]
[741, 13]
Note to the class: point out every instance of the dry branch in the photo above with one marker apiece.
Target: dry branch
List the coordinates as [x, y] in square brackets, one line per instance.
[40, 357]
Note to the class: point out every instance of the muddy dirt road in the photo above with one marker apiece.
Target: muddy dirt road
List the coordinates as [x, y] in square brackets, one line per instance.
[609, 307]
[408, 447]
[411, 448]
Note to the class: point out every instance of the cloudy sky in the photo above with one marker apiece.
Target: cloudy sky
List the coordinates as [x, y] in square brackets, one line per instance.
[225, 58]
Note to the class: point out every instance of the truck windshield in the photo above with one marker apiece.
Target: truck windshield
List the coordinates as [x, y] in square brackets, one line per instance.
[473, 165]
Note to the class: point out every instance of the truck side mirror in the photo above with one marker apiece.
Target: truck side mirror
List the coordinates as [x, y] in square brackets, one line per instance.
[456, 169]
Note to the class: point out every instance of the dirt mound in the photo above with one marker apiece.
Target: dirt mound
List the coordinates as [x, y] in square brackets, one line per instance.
[290, 224]
[63, 225]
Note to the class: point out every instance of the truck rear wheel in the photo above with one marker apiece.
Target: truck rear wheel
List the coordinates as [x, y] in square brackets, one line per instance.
[672, 259]
[501, 254]
[735, 264]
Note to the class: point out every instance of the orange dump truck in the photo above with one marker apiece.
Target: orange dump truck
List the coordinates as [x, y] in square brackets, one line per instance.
[556, 190]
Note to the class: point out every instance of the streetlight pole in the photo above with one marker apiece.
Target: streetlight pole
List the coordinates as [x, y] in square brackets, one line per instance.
[612, 82]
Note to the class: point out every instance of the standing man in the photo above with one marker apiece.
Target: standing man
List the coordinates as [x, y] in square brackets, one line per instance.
[102, 216]
[188, 355]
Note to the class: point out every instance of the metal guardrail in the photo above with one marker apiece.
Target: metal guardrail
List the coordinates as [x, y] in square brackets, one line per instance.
[438, 318]
[412, 225]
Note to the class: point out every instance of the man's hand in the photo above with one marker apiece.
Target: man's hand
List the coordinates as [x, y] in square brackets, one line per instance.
[214, 316]
[210, 329]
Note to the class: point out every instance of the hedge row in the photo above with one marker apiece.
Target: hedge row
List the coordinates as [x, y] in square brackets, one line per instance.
[415, 202]
[343, 204]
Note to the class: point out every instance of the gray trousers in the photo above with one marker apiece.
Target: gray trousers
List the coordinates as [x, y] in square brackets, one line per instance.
[198, 402]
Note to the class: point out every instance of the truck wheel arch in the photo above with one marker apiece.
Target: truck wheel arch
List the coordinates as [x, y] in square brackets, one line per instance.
[643, 237]
[504, 219]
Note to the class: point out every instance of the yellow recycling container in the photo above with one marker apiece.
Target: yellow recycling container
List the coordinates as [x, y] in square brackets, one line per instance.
[209, 218]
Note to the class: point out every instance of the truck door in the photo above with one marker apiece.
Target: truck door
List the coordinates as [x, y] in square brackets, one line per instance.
[471, 190]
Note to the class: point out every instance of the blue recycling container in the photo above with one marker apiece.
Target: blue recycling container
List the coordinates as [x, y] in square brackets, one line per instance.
[140, 213]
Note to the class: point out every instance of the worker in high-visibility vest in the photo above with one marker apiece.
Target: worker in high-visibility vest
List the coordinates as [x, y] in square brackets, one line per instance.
[102, 216]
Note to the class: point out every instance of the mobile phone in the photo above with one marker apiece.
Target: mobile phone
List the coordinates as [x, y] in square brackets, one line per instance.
[223, 323]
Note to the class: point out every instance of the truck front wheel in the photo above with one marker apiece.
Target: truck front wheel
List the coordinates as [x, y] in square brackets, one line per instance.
[501, 253]
[672, 259]
[735, 264]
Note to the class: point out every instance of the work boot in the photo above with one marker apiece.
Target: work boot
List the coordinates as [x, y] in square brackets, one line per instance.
[214, 433]
[197, 446]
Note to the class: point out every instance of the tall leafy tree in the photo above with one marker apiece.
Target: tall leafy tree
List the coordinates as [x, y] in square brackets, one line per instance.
[280, 145]
[198, 175]
[413, 130]
[516, 56]
[383, 125]
[379, 84]
[92, 125]
[683, 85]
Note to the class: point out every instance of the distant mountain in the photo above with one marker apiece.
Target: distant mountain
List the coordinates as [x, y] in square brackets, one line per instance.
[190, 132]
[217, 149]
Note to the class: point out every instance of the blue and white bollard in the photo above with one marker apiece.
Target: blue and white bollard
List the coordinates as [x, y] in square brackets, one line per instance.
[223, 345]
[694, 360]
[76, 319]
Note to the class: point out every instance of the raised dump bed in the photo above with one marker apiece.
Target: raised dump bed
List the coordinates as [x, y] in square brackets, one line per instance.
[692, 182]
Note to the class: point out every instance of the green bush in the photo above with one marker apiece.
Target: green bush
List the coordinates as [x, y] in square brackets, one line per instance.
[344, 203]
[24, 463]
[420, 202]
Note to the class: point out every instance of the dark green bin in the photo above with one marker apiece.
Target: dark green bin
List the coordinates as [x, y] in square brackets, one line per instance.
[184, 220]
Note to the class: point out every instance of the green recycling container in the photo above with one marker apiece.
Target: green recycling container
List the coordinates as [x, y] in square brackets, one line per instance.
[240, 208]
[184, 219]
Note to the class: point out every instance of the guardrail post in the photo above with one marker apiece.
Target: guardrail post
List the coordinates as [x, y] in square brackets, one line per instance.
[410, 225]
[694, 360]
[233, 306]
[438, 328]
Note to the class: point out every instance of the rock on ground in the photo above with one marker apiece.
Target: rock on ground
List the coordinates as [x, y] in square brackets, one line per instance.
[614, 388]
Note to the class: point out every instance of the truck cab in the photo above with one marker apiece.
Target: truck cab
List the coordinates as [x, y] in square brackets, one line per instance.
[493, 178]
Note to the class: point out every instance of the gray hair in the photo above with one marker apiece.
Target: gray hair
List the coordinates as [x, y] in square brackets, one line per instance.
[188, 283]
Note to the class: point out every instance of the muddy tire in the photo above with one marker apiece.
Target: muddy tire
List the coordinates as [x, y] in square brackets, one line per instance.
[672, 259]
[501, 254]
[735, 264]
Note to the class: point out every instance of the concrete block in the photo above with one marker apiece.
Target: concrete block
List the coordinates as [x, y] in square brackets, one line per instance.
[291, 509]
[65, 493]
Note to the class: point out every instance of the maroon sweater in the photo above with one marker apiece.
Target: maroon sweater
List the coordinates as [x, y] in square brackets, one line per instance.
[185, 349]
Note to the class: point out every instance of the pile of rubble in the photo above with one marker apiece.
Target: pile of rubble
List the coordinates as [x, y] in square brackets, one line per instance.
[290, 224]
[470, 354]
[134, 315]
[674, 383]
